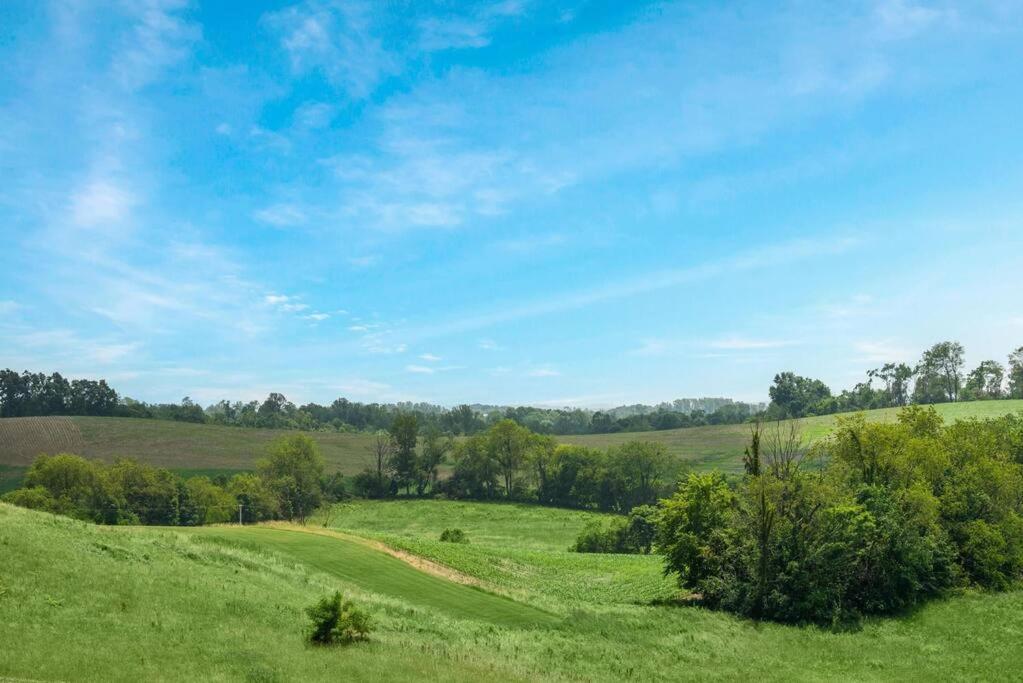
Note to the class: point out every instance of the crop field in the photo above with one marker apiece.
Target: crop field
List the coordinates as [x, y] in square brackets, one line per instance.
[188, 447]
[226, 603]
[174, 445]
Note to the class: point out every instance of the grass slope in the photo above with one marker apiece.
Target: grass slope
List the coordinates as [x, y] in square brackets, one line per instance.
[189, 447]
[83, 603]
[721, 446]
[378, 572]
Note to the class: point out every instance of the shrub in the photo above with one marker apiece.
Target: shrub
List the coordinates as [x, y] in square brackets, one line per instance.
[337, 621]
[35, 498]
[631, 535]
[453, 536]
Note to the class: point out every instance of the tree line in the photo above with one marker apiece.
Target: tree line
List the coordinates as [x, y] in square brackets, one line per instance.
[510, 462]
[288, 484]
[939, 376]
[37, 394]
[899, 514]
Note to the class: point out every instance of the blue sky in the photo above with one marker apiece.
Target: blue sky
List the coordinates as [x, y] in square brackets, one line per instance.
[575, 203]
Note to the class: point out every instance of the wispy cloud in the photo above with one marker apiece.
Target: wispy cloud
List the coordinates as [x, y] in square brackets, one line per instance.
[101, 203]
[419, 369]
[337, 40]
[882, 351]
[281, 215]
[160, 38]
[472, 31]
[766, 257]
[543, 372]
[429, 357]
[747, 344]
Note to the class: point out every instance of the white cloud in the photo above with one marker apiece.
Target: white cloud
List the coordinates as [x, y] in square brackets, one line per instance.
[764, 257]
[159, 40]
[419, 369]
[337, 40]
[746, 344]
[884, 351]
[281, 215]
[276, 299]
[101, 203]
[429, 357]
[8, 306]
[317, 317]
[543, 372]
[489, 345]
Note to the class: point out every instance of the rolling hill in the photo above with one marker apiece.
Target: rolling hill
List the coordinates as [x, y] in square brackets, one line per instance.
[90, 603]
[194, 448]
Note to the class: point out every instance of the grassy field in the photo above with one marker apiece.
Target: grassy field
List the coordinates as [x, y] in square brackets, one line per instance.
[190, 447]
[721, 446]
[81, 602]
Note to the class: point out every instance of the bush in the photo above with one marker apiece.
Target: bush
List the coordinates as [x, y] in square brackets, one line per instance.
[632, 535]
[35, 498]
[453, 536]
[337, 621]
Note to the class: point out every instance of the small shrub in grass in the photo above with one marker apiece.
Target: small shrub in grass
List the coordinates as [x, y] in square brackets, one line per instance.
[337, 621]
[453, 536]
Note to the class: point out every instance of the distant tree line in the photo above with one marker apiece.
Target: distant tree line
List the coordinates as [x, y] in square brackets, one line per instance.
[940, 376]
[35, 394]
[899, 513]
[510, 462]
[288, 484]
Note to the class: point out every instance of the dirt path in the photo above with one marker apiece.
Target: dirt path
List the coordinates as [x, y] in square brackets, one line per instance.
[420, 563]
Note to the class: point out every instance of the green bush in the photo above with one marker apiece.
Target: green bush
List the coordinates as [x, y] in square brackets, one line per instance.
[35, 498]
[337, 621]
[453, 536]
[632, 535]
[900, 513]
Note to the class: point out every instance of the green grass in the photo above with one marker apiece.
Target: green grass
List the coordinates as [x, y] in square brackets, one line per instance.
[378, 572]
[721, 446]
[86, 603]
[494, 525]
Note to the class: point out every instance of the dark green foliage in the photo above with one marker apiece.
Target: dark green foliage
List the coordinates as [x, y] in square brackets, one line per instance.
[293, 471]
[632, 535]
[336, 621]
[453, 536]
[901, 513]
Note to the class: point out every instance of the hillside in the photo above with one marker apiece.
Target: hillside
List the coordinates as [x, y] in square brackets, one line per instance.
[721, 446]
[88, 603]
[187, 447]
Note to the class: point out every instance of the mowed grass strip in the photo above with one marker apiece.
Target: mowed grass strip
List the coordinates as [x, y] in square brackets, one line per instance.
[376, 571]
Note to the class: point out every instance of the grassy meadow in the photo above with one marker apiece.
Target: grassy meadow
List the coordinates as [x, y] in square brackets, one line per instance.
[82, 602]
[721, 446]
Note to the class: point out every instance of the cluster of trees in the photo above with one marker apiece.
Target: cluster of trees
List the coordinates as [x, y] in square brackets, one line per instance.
[510, 462]
[33, 394]
[27, 393]
[939, 377]
[288, 484]
[900, 513]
